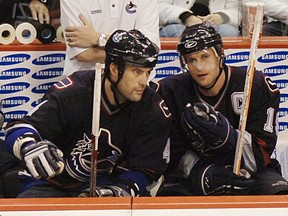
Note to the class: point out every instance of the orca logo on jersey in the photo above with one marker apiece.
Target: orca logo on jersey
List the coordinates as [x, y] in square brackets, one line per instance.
[78, 162]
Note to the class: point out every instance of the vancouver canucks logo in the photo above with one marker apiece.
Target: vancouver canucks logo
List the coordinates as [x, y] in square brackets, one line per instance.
[131, 8]
[79, 160]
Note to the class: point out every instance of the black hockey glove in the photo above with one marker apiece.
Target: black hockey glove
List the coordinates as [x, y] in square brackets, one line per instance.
[43, 159]
[208, 129]
[219, 180]
[106, 191]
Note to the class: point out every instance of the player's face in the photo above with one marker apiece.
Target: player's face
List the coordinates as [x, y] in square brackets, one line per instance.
[133, 83]
[203, 67]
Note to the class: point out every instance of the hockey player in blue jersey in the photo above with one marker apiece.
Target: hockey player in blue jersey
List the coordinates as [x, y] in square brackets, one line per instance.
[205, 103]
[54, 139]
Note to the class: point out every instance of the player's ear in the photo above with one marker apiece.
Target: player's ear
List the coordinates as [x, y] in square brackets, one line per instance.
[113, 72]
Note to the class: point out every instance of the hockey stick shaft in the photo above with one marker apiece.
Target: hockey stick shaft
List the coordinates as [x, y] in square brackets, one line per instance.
[95, 128]
[248, 88]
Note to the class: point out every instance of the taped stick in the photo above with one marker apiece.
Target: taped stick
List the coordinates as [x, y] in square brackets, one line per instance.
[95, 128]
[248, 88]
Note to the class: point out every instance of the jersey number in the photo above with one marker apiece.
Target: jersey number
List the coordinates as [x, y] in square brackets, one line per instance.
[268, 126]
[237, 102]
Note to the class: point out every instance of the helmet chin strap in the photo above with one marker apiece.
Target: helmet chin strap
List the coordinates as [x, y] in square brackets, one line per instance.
[113, 85]
[115, 90]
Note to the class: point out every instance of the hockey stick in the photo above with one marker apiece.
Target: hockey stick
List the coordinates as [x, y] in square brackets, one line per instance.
[95, 128]
[247, 88]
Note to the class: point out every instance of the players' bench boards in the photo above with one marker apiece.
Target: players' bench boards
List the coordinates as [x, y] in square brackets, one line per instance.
[148, 206]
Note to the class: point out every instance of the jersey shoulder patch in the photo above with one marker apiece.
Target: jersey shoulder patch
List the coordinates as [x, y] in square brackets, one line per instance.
[271, 85]
[63, 83]
[164, 109]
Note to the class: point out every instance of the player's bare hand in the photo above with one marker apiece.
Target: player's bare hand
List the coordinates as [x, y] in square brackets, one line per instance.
[39, 11]
[214, 19]
[82, 36]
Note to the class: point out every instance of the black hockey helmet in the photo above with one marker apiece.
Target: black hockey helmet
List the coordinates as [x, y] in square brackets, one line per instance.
[199, 37]
[128, 47]
[131, 47]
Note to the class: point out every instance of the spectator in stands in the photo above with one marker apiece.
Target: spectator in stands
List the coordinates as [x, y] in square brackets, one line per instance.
[276, 12]
[47, 11]
[39, 10]
[205, 102]
[23, 9]
[83, 21]
[225, 16]
[54, 11]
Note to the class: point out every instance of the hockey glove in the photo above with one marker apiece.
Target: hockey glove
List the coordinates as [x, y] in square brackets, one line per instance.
[106, 191]
[219, 180]
[43, 159]
[207, 128]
